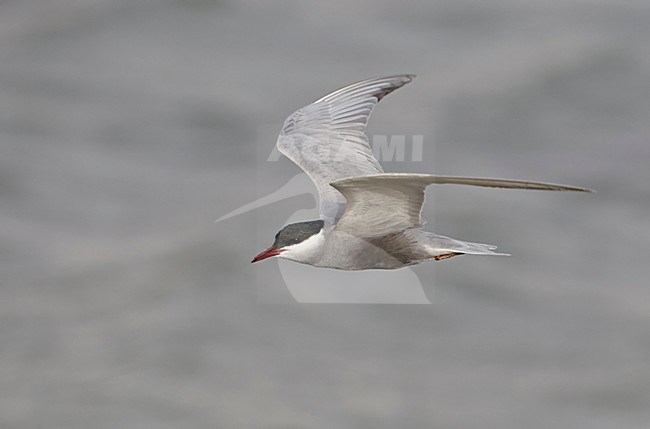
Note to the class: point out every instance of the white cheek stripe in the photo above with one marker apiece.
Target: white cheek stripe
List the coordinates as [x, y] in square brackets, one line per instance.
[305, 251]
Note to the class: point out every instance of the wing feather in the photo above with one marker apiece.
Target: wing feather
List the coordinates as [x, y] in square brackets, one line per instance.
[381, 204]
[326, 138]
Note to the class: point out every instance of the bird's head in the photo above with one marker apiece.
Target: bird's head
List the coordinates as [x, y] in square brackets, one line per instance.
[298, 241]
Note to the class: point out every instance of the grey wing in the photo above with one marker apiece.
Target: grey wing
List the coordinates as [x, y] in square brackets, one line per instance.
[381, 204]
[503, 183]
[385, 203]
[326, 138]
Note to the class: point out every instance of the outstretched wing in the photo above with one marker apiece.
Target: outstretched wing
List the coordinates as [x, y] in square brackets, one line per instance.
[383, 203]
[326, 138]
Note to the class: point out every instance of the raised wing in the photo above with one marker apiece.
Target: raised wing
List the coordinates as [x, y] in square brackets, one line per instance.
[384, 203]
[326, 138]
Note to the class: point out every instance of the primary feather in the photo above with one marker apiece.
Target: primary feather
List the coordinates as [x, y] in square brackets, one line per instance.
[326, 138]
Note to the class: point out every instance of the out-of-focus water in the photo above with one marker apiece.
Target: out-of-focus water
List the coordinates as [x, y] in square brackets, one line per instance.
[127, 127]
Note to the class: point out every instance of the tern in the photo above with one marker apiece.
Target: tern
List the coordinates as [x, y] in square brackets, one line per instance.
[368, 219]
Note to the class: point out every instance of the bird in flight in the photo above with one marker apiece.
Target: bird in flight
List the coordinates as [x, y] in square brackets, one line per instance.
[368, 219]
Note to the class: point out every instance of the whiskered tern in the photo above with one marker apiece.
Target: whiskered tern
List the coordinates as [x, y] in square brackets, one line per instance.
[368, 219]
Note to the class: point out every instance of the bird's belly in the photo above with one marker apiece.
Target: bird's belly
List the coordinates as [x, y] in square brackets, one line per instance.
[351, 253]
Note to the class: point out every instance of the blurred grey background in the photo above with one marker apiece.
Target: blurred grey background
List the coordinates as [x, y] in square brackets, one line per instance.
[128, 126]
